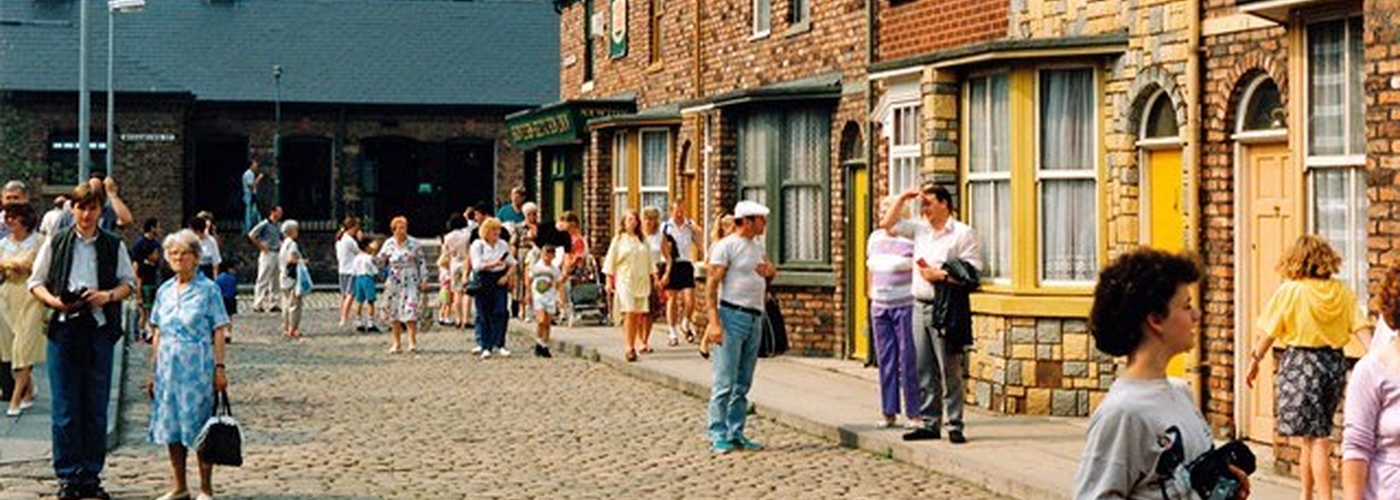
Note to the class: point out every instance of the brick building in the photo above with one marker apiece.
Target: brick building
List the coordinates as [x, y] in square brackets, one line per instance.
[408, 121]
[730, 102]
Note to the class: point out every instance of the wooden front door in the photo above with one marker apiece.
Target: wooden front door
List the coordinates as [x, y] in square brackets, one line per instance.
[858, 198]
[1167, 228]
[1271, 191]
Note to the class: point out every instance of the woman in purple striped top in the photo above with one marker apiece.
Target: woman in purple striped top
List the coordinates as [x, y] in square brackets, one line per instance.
[890, 261]
[1371, 436]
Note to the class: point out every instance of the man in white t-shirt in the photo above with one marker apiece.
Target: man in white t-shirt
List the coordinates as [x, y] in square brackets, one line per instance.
[250, 180]
[938, 238]
[737, 279]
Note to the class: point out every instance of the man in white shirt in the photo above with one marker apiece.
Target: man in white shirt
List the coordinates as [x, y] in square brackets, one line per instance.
[82, 274]
[680, 284]
[938, 238]
[267, 236]
[250, 180]
[738, 278]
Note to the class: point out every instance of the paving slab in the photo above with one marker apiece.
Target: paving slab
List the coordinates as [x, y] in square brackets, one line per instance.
[1027, 457]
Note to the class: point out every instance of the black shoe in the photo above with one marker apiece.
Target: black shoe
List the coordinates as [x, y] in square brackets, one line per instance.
[542, 351]
[956, 437]
[923, 434]
[69, 492]
[373, 329]
[360, 328]
[98, 493]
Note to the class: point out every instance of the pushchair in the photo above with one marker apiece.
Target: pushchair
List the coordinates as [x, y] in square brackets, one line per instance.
[587, 300]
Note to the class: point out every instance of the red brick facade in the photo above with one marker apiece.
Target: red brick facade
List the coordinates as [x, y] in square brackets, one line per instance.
[912, 27]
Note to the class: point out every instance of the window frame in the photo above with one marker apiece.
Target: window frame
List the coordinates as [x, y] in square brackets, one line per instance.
[654, 32]
[588, 56]
[1092, 173]
[1354, 257]
[987, 237]
[60, 147]
[621, 151]
[774, 183]
[799, 13]
[760, 26]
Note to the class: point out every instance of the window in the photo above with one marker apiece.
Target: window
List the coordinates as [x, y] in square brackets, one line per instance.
[63, 157]
[989, 170]
[800, 11]
[587, 40]
[620, 181]
[762, 17]
[904, 147]
[656, 160]
[1161, 119]
[1265, 110]
[654, 51]
[792, 150]
[305, 175]
[1336, 156]
[1066, 173]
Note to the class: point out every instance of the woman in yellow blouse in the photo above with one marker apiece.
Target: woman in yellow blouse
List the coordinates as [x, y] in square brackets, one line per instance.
[1313, 316]
[630, 265]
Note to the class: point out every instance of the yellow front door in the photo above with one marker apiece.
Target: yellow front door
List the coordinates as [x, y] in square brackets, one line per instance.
[859, 224]
[1271, 226]
[1167, 226]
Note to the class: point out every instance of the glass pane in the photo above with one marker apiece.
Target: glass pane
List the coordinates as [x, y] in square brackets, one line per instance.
[619, 208]
[654, 159]
[761, 12]
[804, 224]
[757, 143]
[1356, 82]
[1069, 233]
[1339, 216]
[1265, 111]
[991, 209]
[979, 140]
[1001, 251]
[1067, 119]
[1326, 89]
[1001, 124]
[620, 162]
[658, 200]
[807, 146]
[1161, 119]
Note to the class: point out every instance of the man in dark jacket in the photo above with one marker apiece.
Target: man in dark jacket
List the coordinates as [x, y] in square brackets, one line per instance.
[83, 273]
[938, 239]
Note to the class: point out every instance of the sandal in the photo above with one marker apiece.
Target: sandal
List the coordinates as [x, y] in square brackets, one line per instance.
[674, 342]
[689, 337]
[631, 356]
[703, 353]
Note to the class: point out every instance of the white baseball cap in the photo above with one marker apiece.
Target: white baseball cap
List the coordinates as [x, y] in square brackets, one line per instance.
[745, 209]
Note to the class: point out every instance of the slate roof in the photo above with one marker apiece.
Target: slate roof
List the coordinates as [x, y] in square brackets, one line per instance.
[485, 52]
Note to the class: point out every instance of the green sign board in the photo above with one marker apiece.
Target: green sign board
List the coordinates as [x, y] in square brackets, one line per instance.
[560, 124]
[617, 28]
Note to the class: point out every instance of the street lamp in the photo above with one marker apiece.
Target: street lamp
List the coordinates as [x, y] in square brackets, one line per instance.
[84, 107]
[114, 7]
[277, 134]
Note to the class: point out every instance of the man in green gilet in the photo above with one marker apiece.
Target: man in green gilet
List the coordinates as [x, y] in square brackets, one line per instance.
[82, 273]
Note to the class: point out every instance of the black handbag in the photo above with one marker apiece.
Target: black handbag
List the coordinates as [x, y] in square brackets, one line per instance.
[220, 442]
[473, 283]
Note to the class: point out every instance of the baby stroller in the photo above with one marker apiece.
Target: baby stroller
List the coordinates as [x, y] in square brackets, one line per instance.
[587, 299]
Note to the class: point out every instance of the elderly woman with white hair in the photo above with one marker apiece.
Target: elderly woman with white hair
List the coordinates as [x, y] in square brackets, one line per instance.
[188, 326]
[289, 260]
[890, 264]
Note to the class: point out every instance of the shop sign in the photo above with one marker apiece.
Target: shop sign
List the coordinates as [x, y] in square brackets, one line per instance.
[617, 29]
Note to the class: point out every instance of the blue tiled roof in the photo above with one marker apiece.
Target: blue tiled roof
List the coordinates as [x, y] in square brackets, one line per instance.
[486, 52]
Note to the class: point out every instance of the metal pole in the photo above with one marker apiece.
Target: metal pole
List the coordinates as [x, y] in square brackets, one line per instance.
[277, 135]
[111, 94]
[84, 106]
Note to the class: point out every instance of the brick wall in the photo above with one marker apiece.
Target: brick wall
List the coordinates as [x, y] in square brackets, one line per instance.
[1024, 365]
[913, 27]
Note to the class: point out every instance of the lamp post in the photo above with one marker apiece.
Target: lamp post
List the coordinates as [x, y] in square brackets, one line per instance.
[113, 8]
[84, 106]
[277, 134]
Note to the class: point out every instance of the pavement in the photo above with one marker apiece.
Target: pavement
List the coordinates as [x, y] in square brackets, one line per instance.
[28, 437]
[333, 416]
[1025, 457]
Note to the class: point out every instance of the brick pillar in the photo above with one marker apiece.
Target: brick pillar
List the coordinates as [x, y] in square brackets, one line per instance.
[941, 91]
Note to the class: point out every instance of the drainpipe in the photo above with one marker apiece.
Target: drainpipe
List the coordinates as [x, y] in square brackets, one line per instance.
[699, 82]
[1193, 160]
[870, 33]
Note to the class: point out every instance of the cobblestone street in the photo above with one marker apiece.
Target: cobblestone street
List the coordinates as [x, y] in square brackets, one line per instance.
[335, 416]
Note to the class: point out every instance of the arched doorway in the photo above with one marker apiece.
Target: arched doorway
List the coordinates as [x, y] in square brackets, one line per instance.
[858, 227]
[1163, 203]
[305, 178]
[1266, 222]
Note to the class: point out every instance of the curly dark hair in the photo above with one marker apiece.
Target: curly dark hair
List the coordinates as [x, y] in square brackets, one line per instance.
[1133, 286]
[1390, 297]
[24, 212]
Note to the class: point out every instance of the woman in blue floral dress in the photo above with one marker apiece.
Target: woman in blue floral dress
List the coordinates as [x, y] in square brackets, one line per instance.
[188, 324]
[407, 270]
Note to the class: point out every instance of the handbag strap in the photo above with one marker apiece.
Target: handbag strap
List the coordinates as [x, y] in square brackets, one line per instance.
[221, 403]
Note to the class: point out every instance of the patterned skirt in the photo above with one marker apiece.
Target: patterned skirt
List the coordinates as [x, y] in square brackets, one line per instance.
[1310, 382]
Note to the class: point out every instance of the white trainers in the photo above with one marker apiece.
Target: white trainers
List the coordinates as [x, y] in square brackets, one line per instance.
[502, 352]
[476, 350]
[485, 354]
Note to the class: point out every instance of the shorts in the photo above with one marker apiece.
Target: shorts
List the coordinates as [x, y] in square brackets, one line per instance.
[148, 295]
[547, 303]
[682, 276]
[458, 278]
[231, 305]
[364, 290]
[345, 281]
[1309, 388]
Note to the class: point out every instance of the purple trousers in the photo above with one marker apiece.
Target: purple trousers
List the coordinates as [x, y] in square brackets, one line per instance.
[894, 353]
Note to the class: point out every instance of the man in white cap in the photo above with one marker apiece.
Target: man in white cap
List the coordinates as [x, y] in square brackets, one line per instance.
[739, 274]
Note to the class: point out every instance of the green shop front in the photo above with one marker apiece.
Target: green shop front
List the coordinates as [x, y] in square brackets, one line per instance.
[554, 138]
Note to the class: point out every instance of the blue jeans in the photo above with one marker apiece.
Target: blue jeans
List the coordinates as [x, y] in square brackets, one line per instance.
[733, 365]
[491, 317]
[80, 376]
[250, 213]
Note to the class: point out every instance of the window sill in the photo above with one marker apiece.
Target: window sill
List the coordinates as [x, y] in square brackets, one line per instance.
[1039, 304]
[586, 87]
[799, 28]
[656, 67]
[759, 36]
[805, 277]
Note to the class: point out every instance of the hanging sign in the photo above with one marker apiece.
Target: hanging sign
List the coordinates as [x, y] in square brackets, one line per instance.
[617, 28]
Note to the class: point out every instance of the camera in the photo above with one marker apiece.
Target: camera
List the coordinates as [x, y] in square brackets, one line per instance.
[71, 297]
[1210, 473]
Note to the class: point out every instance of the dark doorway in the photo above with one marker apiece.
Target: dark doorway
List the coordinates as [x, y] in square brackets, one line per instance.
[219, 162]
[425, 182]
[305, 173]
